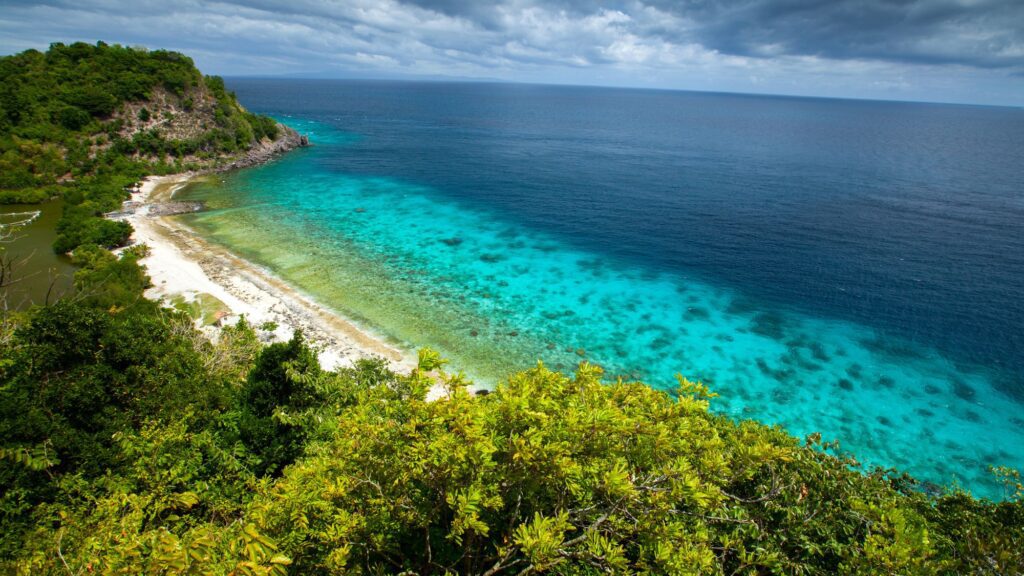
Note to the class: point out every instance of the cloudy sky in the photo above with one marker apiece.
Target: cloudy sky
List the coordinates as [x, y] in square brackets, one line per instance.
[968, 51]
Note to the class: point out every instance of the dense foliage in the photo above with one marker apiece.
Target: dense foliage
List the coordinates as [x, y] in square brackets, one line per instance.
[133, 445]
[81, 121]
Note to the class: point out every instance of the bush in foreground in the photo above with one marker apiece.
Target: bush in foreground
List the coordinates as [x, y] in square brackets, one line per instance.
[131, 445]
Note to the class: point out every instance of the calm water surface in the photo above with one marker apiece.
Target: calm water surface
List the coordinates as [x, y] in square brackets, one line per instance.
[39, 273]
[854, 268]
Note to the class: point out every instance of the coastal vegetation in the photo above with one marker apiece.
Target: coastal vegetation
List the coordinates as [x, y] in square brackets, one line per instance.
[80, 122]
[130, 443]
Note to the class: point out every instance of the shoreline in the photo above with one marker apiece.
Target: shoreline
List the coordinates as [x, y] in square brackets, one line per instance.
[183, 266]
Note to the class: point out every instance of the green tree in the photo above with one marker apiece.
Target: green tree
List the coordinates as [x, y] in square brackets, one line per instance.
[279, 387]
[62, 122]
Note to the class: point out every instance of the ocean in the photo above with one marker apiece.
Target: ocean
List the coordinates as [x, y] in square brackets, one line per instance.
[854, 268]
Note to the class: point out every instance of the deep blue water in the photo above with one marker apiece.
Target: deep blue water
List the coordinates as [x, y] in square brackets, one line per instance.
[856, 266]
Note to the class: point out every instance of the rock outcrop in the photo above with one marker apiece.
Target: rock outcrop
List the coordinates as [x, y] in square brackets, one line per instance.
[287, 139]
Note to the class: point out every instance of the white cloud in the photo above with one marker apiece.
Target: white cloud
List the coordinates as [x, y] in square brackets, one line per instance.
[636, 44]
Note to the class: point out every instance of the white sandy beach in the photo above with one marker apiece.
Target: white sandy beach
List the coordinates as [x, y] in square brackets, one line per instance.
[181, 264]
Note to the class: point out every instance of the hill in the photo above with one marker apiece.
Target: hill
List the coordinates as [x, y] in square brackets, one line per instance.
[81, 121]
[131, 444]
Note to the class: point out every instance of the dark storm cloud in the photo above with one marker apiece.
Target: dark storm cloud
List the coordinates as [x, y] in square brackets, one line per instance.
[980, 33]
[985, 33]
[960, 50]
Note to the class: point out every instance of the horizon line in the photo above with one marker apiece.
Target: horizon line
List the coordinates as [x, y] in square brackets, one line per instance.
[412, 79]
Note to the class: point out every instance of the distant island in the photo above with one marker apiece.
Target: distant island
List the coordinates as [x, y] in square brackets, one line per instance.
[195, 434]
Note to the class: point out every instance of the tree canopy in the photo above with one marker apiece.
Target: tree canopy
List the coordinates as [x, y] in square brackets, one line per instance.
[82, 121]
[131, 445]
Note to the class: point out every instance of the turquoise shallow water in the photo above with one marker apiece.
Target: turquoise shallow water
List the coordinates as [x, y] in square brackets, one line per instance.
[495, 296]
